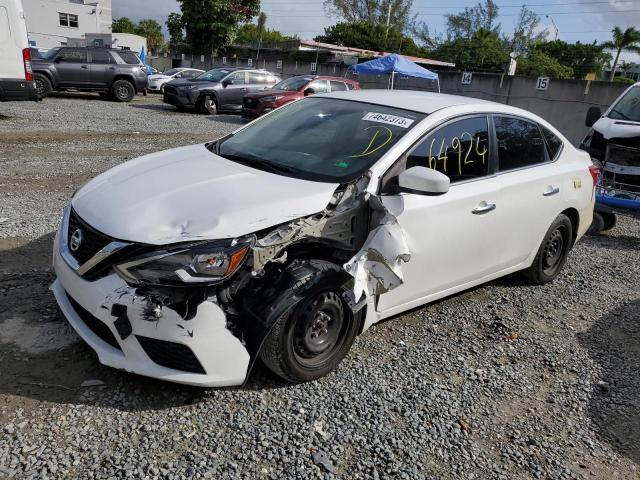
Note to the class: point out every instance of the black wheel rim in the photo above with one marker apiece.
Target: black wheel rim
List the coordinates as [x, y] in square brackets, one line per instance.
[554, 250]
[122, 92]
[319, 330]
[39, 87]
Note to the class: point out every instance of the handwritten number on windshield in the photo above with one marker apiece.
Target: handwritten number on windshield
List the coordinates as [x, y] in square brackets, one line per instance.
[381, 137]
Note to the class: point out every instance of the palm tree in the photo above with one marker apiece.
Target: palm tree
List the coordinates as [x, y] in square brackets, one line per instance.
[628, 40]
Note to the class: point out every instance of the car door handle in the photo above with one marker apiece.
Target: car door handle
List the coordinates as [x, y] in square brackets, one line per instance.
[483, 207]
[551, 191]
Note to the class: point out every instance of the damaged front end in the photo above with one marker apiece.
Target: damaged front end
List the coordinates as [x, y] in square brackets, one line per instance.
[199, 312]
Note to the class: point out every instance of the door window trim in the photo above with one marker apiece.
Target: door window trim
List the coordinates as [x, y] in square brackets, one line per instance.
[547, 157]
[234, 73]
[493, 158]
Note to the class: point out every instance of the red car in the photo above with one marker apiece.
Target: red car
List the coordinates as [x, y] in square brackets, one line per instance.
[261, 102]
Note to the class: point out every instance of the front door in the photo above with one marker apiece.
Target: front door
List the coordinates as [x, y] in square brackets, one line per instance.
[236, 88]
[72, 67]
[455, 238]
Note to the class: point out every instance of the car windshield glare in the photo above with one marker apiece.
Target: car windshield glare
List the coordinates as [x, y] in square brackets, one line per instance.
[292, 84]
[214, 75]
[628, 108]
[320, 139]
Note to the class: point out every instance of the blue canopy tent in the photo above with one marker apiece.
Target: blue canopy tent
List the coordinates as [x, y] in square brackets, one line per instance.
[395, 64]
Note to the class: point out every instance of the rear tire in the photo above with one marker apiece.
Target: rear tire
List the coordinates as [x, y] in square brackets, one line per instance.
[208, 105]
[123, 91]
[597, 224]
[310, 340]
[552, 254]
[610, 220]
[43, 85]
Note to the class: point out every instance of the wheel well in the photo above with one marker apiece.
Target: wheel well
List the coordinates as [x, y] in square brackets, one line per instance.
[44, 73]
[574, 216]
[127, 78]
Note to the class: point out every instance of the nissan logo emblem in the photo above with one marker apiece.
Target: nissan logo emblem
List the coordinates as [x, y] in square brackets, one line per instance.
[76, 240]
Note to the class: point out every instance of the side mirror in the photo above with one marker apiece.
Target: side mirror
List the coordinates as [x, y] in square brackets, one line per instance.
[593, 115]
[309, 91]
[225, 83]
[58, 60]
[423, 181]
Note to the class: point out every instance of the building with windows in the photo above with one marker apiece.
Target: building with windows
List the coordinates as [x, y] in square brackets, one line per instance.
[50, 23]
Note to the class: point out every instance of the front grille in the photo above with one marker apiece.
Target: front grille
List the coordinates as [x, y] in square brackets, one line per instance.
[170, 89]
[96, 325]
[92, 240]
[170, 354]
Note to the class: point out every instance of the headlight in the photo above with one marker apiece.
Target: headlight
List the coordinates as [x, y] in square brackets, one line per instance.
[202, 262]
[272, 98]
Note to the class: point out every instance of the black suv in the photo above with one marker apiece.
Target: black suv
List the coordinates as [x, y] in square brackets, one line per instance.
[217, 89]
[118, 74]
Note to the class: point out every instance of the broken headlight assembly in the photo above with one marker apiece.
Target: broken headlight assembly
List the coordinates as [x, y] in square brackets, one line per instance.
[194, 263]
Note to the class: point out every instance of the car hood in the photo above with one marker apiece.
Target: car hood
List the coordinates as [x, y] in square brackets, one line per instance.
[158, 76]
[272, 91]
[189, 193]
[614, 128]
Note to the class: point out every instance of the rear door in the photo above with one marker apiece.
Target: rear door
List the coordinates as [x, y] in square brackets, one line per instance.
[231, 95]
[101, 67]
[532, 185]
[72, 67]
[12, 41]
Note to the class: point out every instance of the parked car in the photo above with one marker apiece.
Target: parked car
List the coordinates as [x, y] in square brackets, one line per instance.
[16, 74]
[150, 70]
[258, 103]
[218, 89]
[117, 74]
[614, 144]
[294, 234]
[158, 80]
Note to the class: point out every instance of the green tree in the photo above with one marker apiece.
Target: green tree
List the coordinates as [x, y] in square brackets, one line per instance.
[398, 12]
[471, 19]
[152, 31]
[628, 40]
[539, 64]
[370, 36]
[526, 31]
[582, 58]
[176, 28]
[482, 51]
[123, 25]
[213, 24]
[248, 33]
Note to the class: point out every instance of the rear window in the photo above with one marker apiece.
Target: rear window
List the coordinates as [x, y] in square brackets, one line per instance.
[554, 144]
[520, 143]
[129, 57]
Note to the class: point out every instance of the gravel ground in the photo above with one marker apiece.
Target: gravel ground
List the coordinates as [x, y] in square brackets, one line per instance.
[505, 381]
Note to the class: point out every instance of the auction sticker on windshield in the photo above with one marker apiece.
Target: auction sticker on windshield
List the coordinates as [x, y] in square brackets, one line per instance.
[388, 119]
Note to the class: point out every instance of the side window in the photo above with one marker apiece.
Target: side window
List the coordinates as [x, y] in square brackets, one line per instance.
[554, 144]
[100, 56]
[520, 143]
[459, 149]
[257, 78]
[319, 86]
[337, 86]
[237, 78]
[73, 55]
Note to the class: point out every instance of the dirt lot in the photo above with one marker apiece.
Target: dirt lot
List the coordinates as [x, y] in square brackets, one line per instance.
[504, 381]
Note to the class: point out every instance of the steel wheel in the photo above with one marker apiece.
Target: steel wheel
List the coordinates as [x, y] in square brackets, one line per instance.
[553, 251]
[122, 92]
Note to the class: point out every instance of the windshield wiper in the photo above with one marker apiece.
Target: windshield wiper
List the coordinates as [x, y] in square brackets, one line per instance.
[258, 163]
[624, 117]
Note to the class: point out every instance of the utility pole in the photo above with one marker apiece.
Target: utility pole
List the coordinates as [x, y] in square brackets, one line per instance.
[386, 33]
[554, 25]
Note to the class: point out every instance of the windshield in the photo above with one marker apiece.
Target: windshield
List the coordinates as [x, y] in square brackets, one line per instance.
[171, 71]
[320, 139]
[293, 83]
[628, 108]
[214, 75]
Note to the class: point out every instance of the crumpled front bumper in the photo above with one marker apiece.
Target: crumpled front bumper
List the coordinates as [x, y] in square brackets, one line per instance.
[157, 347]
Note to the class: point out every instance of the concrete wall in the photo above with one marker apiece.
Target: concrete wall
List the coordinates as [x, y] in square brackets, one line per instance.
[564, 104]
[43, 24]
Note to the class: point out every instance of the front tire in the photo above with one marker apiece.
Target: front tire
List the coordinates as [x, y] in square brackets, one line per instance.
[310, 340]
[207, 105]
[122, 91]
[552, 254]
[43, 85]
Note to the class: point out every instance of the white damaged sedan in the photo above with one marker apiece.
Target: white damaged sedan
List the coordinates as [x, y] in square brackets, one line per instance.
[293, 235]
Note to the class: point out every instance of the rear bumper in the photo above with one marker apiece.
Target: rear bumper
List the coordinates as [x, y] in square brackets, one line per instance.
[17, 90]
[158, 348]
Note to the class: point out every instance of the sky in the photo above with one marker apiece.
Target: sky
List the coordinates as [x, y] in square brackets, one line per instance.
[583, 20]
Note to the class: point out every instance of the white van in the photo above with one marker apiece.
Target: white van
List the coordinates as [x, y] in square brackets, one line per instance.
[16, 76]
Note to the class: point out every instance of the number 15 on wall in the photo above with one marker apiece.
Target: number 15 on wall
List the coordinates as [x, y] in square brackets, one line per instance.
[543, 83]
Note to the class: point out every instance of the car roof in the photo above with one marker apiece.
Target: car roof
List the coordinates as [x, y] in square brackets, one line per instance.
[423, 102]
